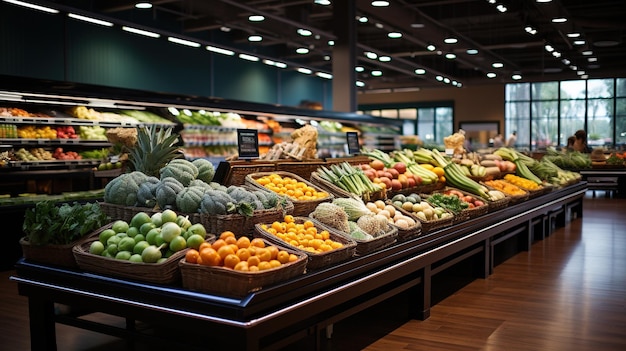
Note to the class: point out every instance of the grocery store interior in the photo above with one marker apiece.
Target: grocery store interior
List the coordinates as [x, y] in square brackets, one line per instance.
[374, 99]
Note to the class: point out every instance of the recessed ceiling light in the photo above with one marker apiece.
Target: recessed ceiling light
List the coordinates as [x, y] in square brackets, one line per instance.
[566, 61]
[587, 52]
[394, 35]
[592, 59]
[431, 47]
[371, 55]
[439, 78]
[501, 8]
[497, 65]
[269, 62]
[543, 1]
[143, 5]
[379, 25]
[516, 77]
[451, 40]
[359, 83]
[556, 54]
[141, 32]
[559, 20]
[304, 70]
[384, 59]
[225, 29]
[362, 19]
[573, 68]
[280, 65]
[472, 51]
[584, 76]
[450, 56]
[256, 18]
[359, 69]
[379, 3]
[304, 32]
[255, 38]
[326, 58]
[530, 30]
[573, 35]
[32, 6]
[579, 42]
[90, 20]
[302, 51]
[183, 42]
[331, 42]
[323, 2]
[417, 25]
[549, 48]
[377, 73]
[580, 73]
[220, 50]
[491, 75]
[324, 75]
[248, 57]
[420, 71]
[446, 80]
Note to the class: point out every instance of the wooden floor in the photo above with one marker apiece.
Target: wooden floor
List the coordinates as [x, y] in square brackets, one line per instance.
[567, 293]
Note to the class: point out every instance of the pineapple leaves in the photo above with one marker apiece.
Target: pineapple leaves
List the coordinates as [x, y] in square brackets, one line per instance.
[155, 147]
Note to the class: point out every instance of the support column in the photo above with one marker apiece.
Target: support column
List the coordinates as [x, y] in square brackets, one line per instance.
[344, 56]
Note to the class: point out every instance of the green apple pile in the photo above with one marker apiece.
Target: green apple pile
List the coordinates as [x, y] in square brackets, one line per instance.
[149, 239]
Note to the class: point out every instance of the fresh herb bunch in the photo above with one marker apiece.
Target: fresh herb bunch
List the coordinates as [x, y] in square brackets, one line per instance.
[50, 224]
[452, 203]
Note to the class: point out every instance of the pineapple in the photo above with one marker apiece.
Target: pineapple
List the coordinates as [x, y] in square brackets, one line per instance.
[155, 147]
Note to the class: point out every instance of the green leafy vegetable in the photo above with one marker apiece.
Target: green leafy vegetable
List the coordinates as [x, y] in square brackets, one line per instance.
[452, 203]
[50, 224]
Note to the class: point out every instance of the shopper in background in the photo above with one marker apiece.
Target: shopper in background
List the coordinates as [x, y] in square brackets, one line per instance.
[580, 144]
[497, 141]
[570, 143]
[510, 142]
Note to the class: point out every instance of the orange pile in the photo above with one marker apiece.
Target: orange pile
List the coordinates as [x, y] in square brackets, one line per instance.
[240, 254]
[291, 187]
[304, 236]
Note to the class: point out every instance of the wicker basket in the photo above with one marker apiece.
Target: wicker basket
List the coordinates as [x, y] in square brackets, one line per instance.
[300, 208]
[366, 246]
[411, 232]
[122, 212]
[302, 169]
[60, 255]
[428, 226]
[419, 189]
[166, 272]
[228, 282]
[241, 224]
[467, 213]
[235, 172]
[514, 199]
[315, 260]
[338, 192]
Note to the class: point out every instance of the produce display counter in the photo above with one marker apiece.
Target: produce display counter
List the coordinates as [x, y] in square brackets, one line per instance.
[606, 178]
[281, 314]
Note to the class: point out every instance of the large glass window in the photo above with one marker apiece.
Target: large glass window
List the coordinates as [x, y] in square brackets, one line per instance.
[432, 122]
[547, 113]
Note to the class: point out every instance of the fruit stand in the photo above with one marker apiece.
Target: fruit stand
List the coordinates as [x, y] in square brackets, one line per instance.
[282, 313]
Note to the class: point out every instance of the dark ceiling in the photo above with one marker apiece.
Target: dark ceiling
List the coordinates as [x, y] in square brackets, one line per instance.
[477, 24]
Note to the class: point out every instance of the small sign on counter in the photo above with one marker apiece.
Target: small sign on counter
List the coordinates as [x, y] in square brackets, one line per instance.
[353, 143]
[248, 143]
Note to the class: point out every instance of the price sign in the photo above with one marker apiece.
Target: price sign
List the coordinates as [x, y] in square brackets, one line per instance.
[353, 143]
[248, 143]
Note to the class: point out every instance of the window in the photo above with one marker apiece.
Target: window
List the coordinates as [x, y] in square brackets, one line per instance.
[431, 121]
[546, 114]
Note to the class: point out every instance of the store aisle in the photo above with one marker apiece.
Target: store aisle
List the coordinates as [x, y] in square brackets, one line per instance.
[567, 293]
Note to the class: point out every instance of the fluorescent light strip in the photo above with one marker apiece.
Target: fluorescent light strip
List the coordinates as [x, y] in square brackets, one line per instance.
[183, 42]
[304, 70]
[280, 65]
[220, 50]
[90, 20]
[141, 32]
[32, 6]
[248, 57]
[324, 75]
